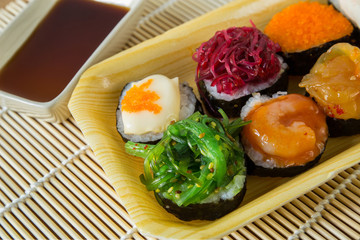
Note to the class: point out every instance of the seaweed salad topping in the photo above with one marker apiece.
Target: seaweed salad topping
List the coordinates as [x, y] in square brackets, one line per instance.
[197, 161]
[236, 56]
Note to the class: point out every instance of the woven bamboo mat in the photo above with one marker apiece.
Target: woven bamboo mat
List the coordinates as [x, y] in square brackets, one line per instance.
[53, 188]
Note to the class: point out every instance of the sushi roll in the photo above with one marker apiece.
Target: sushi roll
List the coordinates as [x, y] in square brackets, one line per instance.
[306, 30]
[286, 136]
[148, 106]
[197, 170]
[235, 63]
[334, 83]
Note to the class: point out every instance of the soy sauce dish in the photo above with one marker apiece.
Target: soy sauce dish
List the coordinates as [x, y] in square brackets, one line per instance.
[47, 47]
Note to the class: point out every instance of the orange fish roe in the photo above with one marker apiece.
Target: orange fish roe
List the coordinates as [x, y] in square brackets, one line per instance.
[307, 24]
[137, 99]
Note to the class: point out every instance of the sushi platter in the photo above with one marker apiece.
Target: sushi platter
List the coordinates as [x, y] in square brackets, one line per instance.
[87, 178]
[170, 54]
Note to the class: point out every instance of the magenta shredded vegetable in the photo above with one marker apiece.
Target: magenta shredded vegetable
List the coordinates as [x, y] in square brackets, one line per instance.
[236, 56]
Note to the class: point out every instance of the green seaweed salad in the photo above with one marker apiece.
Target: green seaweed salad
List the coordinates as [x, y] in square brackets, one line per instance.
[198, 160]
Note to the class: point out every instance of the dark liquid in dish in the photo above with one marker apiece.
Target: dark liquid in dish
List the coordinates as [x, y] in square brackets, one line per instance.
[57, 49]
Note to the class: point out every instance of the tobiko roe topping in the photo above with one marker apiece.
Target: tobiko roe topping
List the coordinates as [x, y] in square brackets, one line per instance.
[236, 56]
[306, 25]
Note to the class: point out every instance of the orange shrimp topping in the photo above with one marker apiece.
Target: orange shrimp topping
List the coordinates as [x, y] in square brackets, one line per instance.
[286, 131]
[306, 25]
[137, 99]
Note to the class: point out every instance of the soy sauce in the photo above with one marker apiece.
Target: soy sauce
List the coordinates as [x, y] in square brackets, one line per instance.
[58, 47]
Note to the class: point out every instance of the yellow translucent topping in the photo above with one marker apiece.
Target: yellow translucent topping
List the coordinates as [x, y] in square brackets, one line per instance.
[334, 81]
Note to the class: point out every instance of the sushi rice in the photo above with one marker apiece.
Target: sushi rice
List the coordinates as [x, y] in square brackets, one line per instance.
[257, 98]
[249, 88]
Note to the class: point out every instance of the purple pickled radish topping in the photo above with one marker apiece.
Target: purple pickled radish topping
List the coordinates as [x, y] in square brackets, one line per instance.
[237, 56]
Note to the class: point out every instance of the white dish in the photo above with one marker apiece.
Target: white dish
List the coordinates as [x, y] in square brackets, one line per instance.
[18, 31]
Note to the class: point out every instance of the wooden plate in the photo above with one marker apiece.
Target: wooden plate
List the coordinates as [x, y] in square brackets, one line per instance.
[95, 99]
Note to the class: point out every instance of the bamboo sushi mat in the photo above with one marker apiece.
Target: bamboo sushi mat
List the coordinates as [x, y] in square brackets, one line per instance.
[53, 188]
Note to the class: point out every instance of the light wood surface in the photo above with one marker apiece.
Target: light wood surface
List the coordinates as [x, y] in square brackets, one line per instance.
[53, 187]
[3, 3]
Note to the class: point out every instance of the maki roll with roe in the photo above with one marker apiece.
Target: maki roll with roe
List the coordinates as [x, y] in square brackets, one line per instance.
[148, 106]
[197, 170]
[334, 83]
[286, 136]
[235, 63]
[306, 30]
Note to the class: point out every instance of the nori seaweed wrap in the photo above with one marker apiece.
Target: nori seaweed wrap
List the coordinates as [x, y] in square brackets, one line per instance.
[202, 211]
[291, 171]
[301, 62]
[197, 167]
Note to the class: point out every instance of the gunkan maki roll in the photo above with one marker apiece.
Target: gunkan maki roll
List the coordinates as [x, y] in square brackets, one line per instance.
[305, 30]
[286, 136]
[234, 63]
[334, 84]
[148, 106]
[197, 170]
